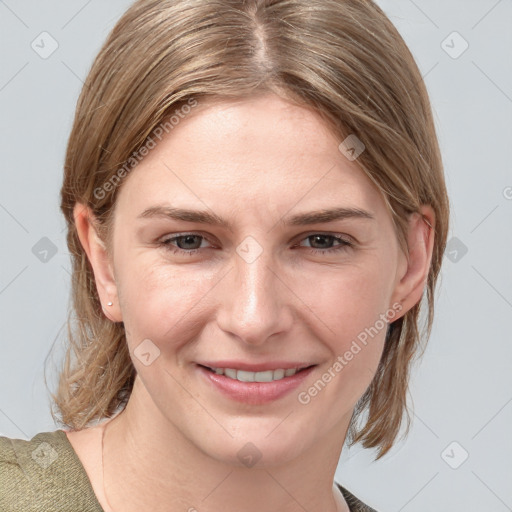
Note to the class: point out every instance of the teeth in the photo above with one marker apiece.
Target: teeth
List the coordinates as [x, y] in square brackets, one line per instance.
[245, 376]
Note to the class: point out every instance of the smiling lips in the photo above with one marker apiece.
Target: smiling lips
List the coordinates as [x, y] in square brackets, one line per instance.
[251, 372]
[255, 386]
[247, 376]
[252, 383]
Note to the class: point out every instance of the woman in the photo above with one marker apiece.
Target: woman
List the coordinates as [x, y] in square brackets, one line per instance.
[255, 205]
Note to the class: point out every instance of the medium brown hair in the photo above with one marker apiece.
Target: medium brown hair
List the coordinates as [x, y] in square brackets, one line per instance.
[342, 58]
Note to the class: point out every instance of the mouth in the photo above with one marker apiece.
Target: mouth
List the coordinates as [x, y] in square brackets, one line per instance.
[254, 387]
[270, 375]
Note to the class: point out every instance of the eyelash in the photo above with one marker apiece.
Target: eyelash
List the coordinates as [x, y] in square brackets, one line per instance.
[344, 244]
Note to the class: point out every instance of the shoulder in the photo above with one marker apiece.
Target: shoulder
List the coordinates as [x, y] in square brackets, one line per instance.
[42, 474]
[354, 504]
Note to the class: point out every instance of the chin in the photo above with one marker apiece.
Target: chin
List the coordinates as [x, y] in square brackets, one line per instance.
[260, 445]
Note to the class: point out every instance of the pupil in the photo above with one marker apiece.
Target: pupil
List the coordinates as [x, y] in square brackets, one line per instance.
[316, 237]
[187, 239]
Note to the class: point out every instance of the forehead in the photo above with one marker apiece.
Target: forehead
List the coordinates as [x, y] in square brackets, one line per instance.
[263, 153]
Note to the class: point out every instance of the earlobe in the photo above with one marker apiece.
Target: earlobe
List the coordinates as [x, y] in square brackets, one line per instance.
[411, 286]
[99, 259]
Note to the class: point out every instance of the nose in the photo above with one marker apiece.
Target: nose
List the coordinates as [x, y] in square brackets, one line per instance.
[255, 300]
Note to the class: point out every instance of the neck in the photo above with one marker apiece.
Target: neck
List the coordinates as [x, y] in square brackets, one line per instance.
[148, 463]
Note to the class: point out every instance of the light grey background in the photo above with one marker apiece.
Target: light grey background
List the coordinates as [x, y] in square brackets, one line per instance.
[461, 391]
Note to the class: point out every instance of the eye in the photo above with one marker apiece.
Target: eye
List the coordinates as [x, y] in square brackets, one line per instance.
[323, 240]
[191, 243]
[187, 243]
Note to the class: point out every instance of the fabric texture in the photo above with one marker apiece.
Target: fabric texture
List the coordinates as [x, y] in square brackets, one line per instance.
[46, 475]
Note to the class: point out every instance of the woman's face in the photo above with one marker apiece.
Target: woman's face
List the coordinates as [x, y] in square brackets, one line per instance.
[268, 287]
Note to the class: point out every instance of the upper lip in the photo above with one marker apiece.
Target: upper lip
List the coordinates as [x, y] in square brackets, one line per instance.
[256, 367]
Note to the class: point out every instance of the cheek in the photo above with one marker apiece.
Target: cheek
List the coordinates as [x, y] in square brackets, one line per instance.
[350, 307]
[354, 308]
[169, 304]
[161, 302]
[350, 299]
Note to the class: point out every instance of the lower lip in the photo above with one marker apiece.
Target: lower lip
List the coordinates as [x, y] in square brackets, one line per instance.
[255, 393]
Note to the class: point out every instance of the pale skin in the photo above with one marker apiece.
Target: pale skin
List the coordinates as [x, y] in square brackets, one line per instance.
[254, 163]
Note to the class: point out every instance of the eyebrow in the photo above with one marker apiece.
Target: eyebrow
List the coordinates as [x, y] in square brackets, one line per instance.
[300, 219]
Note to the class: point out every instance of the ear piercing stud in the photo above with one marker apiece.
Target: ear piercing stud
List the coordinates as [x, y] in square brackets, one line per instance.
[110, 304]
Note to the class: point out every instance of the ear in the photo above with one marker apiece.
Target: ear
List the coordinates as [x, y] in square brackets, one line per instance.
[414, 268]
[100, 261]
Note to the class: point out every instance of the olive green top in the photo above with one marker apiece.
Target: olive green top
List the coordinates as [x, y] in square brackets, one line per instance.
[46, 475]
